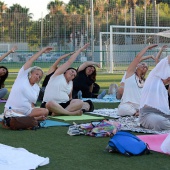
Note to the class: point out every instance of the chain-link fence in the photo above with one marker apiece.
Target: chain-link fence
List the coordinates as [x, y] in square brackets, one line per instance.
[67, 27]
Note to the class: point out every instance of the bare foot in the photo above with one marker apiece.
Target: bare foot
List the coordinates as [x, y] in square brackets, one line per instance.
[40, 118]
[136, 114]
[76, 113]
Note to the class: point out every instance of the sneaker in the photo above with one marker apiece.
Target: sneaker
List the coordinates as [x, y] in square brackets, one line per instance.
[102, 94]
[79, 94]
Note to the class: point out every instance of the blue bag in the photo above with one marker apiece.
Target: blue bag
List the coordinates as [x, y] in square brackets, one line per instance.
[127, 144]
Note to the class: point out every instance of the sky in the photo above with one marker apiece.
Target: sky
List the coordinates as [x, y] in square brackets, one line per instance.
[37, 7]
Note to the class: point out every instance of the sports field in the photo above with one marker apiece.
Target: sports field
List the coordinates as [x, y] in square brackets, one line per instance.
[79, 152]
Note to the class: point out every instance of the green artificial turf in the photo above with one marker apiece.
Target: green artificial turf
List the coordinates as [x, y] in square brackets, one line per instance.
[79, 152]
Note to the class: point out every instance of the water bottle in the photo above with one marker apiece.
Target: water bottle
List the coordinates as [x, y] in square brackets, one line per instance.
[8, 112]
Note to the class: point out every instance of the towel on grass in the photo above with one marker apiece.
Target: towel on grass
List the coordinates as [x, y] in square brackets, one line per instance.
[112, 113]
[19, 159]
[50, 123]
[106, 99]
[131, 123]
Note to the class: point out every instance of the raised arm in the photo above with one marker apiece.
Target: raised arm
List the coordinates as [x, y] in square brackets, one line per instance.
[86, 64]
[132, 67]
[12, 50]
[147, 57]
[55, 65]
[28, 64]
[69, 62]
[164, 47]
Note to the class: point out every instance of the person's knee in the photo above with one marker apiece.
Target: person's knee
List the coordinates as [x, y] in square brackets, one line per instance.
[78, 102]
[119, 92]
[160, 123]
[49, 105]
[46, 112]
[3, 92]
[126, 110]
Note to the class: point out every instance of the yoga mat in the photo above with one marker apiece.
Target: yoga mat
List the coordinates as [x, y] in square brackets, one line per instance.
[50, 123]
[83, 117]
[154, 141]
[2, 101]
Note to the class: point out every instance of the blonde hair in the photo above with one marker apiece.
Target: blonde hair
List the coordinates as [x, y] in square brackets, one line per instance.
[32, 69]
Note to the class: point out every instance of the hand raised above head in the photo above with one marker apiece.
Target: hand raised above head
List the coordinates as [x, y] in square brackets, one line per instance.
[85, 46]
[164, 47]
[152, 46]
[13, 49]
[47, 49]
[98, 65]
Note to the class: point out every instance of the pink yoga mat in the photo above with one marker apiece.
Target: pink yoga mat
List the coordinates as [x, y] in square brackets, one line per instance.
[154, 141]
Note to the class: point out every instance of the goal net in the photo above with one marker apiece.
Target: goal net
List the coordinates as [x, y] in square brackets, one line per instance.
[124, 43]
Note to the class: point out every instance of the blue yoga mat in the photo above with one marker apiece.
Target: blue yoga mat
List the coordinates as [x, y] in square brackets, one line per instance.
[50, 123]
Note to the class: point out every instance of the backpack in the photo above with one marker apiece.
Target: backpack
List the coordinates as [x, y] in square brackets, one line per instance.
[127, 144]
[21, 123]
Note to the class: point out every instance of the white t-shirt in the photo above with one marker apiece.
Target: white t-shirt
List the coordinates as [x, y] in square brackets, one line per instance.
[58, 89]
[22, 94]
[132, 93]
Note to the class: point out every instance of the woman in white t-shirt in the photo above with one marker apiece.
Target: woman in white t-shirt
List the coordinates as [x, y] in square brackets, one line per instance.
[25, 90]
[133, 84]
[58, 93]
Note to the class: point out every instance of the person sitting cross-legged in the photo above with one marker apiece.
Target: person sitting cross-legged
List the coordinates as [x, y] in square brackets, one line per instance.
[58, 93]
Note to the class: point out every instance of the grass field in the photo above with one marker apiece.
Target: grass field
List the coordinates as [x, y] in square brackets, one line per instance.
[79, 152]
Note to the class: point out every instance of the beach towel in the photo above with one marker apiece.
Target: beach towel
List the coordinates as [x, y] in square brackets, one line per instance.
[19, 159]
[112, 113]
[50, 123]
[128, 123]
[131, 123]
[106, 99]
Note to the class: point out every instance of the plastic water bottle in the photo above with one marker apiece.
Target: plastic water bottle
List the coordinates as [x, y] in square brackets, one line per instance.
[8, 112]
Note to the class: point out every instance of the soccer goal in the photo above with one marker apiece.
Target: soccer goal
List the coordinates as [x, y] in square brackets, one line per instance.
[104, 50]
[124, 42]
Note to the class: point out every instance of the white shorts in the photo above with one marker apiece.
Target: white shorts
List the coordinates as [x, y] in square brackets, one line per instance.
[127, 109]
[17, 112]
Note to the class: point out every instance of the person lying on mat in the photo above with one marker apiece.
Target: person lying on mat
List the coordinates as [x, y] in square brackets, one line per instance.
[154, 107]
[50, 72]
[4, 73]
[58, 93]
[120, 89]
[85, 80]
[134, 81]
[25, 90]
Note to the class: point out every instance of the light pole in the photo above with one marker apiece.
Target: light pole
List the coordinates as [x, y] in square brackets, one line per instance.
[92, 29]
[41, 29]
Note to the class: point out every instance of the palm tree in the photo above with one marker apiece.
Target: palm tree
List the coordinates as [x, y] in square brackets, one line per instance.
[18, 18]
[3, 8]
[55, 20]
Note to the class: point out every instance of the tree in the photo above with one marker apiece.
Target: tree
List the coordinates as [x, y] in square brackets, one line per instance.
[18, 18]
